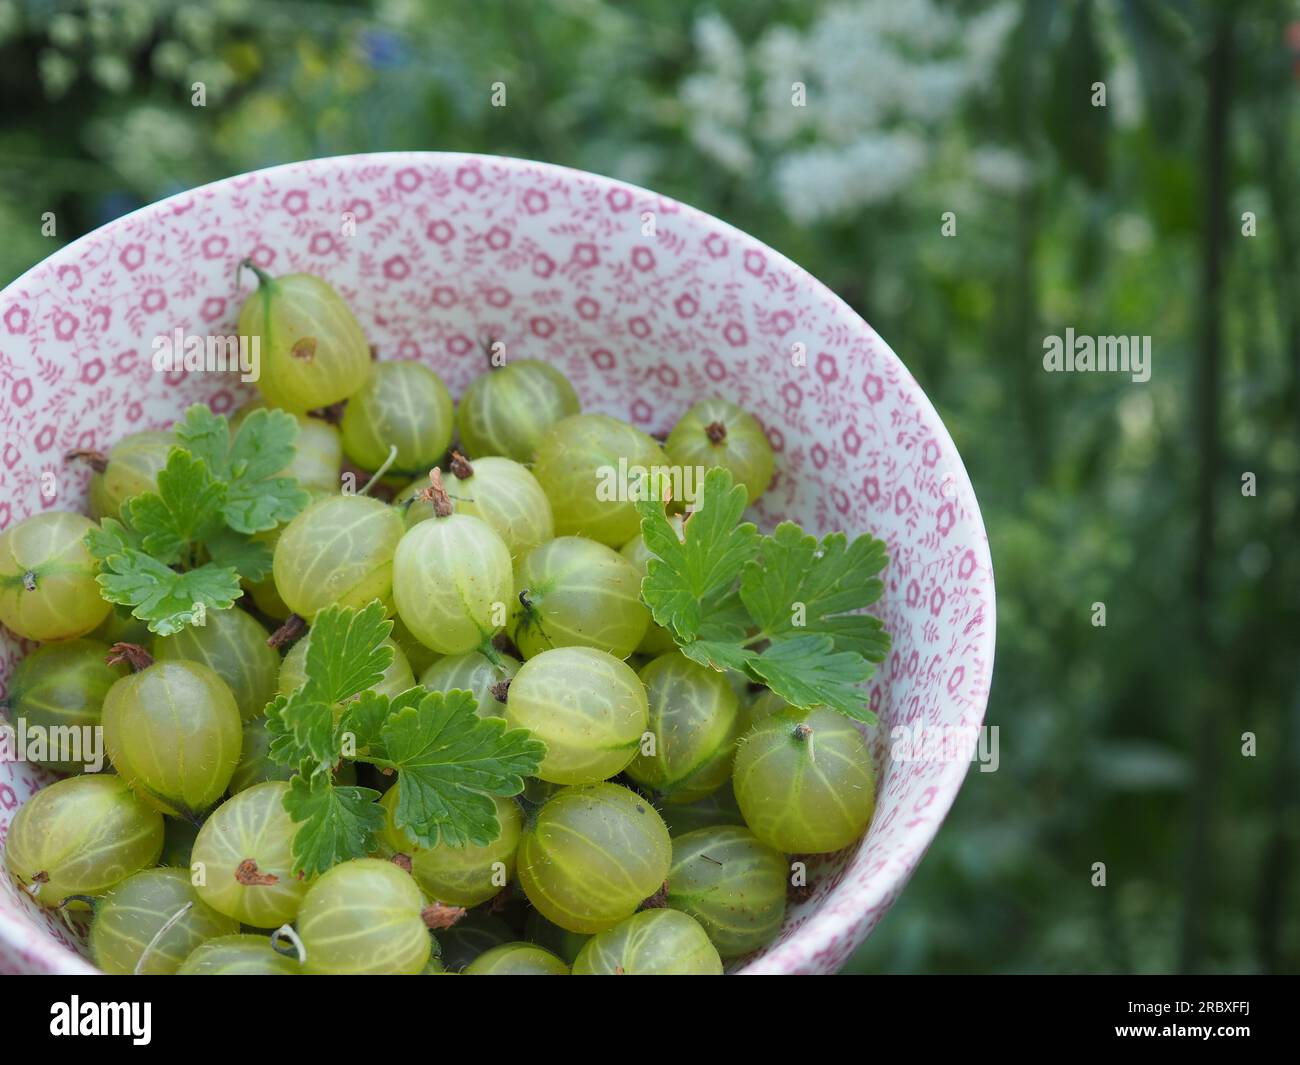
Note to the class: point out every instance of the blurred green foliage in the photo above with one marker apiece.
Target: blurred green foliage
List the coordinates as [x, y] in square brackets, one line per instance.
[1119, 744]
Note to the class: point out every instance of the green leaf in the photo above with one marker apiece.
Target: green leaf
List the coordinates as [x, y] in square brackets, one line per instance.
[302, 730]
[802, 587]
[450, 762]
[263, 445]
[282, 747]
[689, 582]
[251, 558]
[256, 506]
[256, 499]
[365, 715]
[719, 654]
[110, 537]
[186, 508]
[723, 592]
[336, 823]
[347, 653]
[206, 436]
[159, 595]
[808, 671]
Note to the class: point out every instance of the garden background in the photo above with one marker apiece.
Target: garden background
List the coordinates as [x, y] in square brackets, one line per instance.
[1171, 212]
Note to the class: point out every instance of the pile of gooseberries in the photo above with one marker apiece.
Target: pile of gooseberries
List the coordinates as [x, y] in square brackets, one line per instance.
[658, 833]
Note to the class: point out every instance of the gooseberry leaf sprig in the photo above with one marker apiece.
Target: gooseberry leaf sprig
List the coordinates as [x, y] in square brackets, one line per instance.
[448, 761]
[248, 463]
[784, 609]
[181, 550]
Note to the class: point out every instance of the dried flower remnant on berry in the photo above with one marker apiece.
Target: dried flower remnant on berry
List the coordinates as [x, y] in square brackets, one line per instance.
[436, 494]
[249, 875]
[460, 467]
[96, 460]
[438, 915]
[658, 900]
[132, 654]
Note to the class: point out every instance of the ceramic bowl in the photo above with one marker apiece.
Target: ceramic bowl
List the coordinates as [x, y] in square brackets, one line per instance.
[647, 305]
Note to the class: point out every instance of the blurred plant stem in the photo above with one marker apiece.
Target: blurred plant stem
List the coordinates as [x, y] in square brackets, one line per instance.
[1208, 690]
[1277, 865]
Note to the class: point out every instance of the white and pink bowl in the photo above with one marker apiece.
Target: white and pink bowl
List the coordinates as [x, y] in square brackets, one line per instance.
[646, 304]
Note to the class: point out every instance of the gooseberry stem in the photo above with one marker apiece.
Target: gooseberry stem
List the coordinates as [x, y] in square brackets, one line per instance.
[488, 650]
[263, 278]
[286, 932]
[383, 469]
[66, 916]
[89, 900]
[168, 925]
[288, 633]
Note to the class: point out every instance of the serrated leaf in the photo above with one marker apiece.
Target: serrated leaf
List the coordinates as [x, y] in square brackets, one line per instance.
[803, 587]
[304, 730]
[336, 823]
[450, 762]
[186, 508]
[807, 671]
[205, 435]
[365, 715]
[110, 537]
[282, 747]
[688, 582]
[718, 654]
[724, 619]
[347, 654]
[260, 505]
[263, 444]
[256, 497]
[169, 601]
[251, 558]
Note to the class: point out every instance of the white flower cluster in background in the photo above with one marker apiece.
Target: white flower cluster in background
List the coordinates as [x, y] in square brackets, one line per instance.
[880, 79]
[717, 97]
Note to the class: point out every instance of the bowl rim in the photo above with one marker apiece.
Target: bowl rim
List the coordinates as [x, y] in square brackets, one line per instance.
[826, 927]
